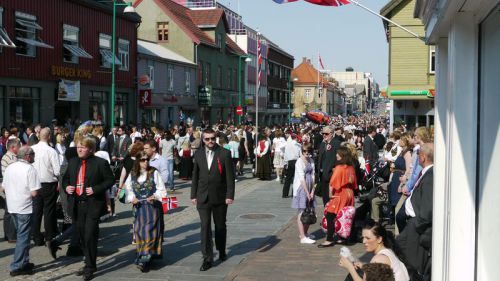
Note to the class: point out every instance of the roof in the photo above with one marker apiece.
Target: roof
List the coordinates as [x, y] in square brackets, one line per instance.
[209, 18]
[306, 73]
[390, 6]
[155, 50]
[108, 7]
[181, 15]
[233, 47]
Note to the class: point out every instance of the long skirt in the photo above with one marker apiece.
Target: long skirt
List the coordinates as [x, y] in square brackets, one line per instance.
[148, 231]
[186, 168]
[264, 167]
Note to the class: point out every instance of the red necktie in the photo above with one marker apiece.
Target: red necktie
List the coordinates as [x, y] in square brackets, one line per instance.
[80, 181]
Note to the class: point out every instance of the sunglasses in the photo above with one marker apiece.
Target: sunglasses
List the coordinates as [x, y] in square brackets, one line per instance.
[210, 139]
[325, 134]
[306, 152]
[144, 160]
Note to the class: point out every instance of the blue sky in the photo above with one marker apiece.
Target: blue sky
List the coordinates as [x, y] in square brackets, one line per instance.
[344, 36]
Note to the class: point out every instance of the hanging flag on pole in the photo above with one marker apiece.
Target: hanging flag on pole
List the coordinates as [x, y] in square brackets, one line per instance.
[259, 62]
[334, 3]
[284, 1]
[321, 62]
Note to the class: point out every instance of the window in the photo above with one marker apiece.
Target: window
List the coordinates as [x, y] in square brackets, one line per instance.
[162, 28]
[219, 76]
[229, 79]
[24, 104]
[307, 94]
[187, 82]
[5, 40]
[218, 41]
[105, 51]
[170, 78]
[72, 51]
[98, 102]
[123, 54]
[432, 60]
[26, 35]
[121, 104]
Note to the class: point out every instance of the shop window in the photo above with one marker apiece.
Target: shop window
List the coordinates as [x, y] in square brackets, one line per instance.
[24, 104]
[106, 52]
[123, 53]
[121, 105]
[27, 39]
[162, 28]
[72, 50]
[98, 104]
[187, 83]
[170, 73]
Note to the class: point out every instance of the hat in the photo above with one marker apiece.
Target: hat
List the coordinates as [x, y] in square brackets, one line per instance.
[327, 129]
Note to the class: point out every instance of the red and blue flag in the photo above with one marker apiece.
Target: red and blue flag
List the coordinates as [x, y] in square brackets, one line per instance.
[334, 3]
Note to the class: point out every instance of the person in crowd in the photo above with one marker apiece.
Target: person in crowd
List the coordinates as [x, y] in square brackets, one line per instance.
[155, 159]
[377, 272]
[121, 146]
[86, 181]
[303, 190]
[326, 161]
[13, 146]
[99, 134]
[128, 162]
[341, 192]
[381, 243]
[263, 158]
[401, 170]
[250, 145]
[416, 238]
[290, 156]
[21, 184]
[234, 147]
[370, 148]
[242, 153]
[145, 189]
[3, 140]
[111, 139]
[32, 138]
[186, 164]
[136, 134]
[167, 145]
[196, 143]
[212, 191]
[48, 168]
[279, 148]
[61, 148]
[356, 164]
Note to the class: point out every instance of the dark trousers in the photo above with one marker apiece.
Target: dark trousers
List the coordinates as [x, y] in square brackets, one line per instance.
[401, 218]
[88, 229]
[9, 227]
[330, 226]
[290, 172]
[218, 211]
[325, 190]
[44, 205]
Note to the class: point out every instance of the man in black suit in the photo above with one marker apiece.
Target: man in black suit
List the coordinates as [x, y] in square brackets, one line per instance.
[416, 239]
[111, 139]
[86, 181]
[32, 138]
[327, 160]
[370, 148]
[212, 191]
[120, 148]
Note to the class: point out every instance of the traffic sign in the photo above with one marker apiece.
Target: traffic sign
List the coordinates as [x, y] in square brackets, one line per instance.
[239, 111]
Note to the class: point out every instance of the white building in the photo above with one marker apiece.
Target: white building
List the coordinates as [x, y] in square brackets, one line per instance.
[466, 34]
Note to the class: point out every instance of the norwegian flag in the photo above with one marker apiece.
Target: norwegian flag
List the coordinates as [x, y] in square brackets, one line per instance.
[169, 203]
[321, 62]
[334, 3]
[259, 61]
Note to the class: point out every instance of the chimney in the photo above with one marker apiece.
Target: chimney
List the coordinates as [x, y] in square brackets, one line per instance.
[309, 61]
[304, 59]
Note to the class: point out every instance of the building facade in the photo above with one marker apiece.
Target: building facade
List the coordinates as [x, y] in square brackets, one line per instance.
[466, 137]
[167, 87]
[411, 67]
[68, 74]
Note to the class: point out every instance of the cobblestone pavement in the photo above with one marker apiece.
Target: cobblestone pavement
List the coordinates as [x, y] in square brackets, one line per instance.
[258, 220]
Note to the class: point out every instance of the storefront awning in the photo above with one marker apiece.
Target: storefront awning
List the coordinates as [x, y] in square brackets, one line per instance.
[77, 51]
[5, 39]
[29, 24]
[35, 43]
[413, 93]
[107, 55]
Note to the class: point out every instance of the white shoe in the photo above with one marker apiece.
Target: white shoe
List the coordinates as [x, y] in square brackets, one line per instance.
[278, 179]
[311, 236]
[306, 240]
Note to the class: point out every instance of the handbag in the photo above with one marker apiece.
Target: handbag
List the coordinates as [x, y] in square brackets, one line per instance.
[308, 215]
[344, 221]
[121, 195]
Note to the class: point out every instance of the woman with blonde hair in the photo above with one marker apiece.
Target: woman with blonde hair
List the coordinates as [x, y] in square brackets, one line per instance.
[98, 133]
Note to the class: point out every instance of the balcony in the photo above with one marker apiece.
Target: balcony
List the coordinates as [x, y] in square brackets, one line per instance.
[274, 105]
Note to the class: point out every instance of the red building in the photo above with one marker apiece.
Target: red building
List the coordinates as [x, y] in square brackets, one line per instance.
[60, 66]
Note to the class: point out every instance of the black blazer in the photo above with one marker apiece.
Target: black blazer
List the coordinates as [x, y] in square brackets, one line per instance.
[327, 158]
[212, 185]
[122, 151]
[370, 150]
[98, 175]
[421, 201]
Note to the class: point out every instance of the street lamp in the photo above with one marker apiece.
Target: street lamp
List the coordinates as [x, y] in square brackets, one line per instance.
[247, 59]
[295, 79]
[128, 9]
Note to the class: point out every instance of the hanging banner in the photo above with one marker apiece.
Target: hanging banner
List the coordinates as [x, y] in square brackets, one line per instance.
[145, 97]
[68, 90]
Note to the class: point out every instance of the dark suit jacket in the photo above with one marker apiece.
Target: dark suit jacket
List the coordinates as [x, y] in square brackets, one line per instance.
[122, 151]
[416, 239]
[370, 150]
[32, 139]
[327, 158]
[212, 185]
[98, 175]
[110, 144]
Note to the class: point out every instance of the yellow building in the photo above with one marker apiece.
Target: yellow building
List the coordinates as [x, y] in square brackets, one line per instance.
[411, 67]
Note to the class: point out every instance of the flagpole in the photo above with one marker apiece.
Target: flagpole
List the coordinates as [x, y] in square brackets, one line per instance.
[355, 2]
[257, 85]
[318, 79]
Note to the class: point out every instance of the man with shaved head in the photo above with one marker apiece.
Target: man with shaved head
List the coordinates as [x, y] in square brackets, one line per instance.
[44, 205]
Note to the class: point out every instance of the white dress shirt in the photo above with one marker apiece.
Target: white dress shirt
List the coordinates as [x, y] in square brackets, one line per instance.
[19, 180]
[46, 162]
[408, 205]
[292, 150]
[160, 193]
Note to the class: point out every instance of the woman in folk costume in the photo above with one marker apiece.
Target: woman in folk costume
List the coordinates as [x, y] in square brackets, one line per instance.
[342, 185]
[186, 154]
[263, 158]
[145, 190]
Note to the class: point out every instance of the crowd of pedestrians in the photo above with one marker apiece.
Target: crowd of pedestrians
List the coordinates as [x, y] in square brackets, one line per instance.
[88, 167]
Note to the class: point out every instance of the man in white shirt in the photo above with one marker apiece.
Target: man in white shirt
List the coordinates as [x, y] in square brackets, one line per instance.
[10, 157]
[21, 184]
[48, 168]
[292, 153]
